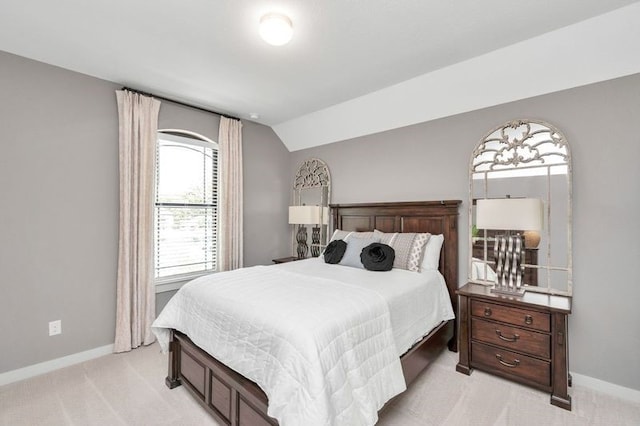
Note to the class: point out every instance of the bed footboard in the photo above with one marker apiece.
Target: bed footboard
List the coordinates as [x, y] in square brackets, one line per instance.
[235, 400]
[231, 398]
[173, 379]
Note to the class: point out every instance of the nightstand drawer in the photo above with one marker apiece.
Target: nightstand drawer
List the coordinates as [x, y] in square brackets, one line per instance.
[516, 339]
[514, 316]
[504, 362]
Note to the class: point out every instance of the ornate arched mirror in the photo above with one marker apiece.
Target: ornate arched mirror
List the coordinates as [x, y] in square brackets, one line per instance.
[520, 209]
[310, 207]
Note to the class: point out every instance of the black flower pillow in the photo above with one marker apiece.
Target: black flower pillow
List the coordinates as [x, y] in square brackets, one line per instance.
[334, 251]
[378, 257]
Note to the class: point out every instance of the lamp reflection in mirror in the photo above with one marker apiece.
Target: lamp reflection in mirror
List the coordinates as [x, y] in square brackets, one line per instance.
[308, 215]
[508, 214]
[316, 248]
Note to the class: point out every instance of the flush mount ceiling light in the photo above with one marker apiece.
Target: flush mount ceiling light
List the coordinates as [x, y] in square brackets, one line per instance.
[276, 29]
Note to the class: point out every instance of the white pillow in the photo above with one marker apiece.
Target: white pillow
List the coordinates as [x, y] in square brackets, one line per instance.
[339, 234]
[354, 249]
[431, 258]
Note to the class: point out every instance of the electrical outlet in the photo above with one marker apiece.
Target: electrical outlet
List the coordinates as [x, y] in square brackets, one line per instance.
[55, 327]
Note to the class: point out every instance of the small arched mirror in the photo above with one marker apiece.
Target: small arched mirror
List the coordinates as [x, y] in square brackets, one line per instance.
[520, 185]
[310, 207]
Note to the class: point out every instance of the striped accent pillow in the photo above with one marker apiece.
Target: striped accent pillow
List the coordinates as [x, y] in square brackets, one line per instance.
[409, 248]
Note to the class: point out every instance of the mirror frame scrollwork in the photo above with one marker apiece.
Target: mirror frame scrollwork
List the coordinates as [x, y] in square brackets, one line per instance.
[312, 173]
[519, 145]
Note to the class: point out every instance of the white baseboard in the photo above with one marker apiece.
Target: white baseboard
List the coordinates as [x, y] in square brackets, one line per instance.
[54, 364]
[606, 387]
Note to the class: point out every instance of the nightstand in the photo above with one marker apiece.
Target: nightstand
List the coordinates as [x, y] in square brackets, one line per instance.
[286, 259]
[522, 339]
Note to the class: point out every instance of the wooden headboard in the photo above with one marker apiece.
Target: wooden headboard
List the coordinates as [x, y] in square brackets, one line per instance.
[435, 217]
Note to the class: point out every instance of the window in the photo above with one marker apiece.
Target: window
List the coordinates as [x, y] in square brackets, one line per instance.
[186, 206]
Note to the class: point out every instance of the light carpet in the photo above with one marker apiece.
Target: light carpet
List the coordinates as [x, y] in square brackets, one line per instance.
[129, 389]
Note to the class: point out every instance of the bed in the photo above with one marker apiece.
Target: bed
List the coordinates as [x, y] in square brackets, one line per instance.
[235, 400]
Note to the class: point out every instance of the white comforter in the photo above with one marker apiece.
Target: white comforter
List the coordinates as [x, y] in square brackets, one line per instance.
[322, 350]
[418, 302]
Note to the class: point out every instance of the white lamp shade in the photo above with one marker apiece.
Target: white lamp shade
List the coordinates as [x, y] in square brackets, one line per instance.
[308, 215]
[510, 214]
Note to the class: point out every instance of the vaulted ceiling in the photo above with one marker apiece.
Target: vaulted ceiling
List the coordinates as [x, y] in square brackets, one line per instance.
[353, 67]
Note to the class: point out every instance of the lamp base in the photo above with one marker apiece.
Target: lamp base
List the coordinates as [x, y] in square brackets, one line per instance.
[315, 241]
[516, 292]
[301, 238]
[508, 254]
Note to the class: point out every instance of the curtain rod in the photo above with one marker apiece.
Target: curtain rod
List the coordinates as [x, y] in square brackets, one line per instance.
[162, 98]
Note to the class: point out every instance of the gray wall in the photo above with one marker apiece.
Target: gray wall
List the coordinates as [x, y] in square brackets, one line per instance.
[266, 195]
[59, 206]
[429, 161]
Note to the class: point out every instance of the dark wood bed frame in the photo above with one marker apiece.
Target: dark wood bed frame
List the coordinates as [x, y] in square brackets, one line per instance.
[237, 401]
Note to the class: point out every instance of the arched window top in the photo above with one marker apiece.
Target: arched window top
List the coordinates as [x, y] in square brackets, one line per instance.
[185, 136]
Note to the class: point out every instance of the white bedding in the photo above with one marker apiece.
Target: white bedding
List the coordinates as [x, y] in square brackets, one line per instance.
[417, 301]
[323, 350]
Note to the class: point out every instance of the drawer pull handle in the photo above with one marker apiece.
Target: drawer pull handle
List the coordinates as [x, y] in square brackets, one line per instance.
[487, 312]
[528, 319]
[516, 362]
[506, 338]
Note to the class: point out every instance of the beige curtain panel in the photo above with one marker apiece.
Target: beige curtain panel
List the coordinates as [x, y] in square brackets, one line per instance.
[230, 251]
[135, 309]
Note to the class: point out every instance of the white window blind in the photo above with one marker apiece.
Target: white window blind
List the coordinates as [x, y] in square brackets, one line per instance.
[186, 206]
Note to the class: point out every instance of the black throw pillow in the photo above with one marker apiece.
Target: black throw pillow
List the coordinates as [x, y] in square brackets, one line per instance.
[378, 257]
[334, 251]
